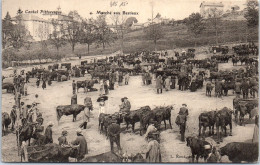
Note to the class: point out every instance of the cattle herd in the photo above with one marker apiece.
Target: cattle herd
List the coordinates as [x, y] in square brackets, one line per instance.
[182, 68]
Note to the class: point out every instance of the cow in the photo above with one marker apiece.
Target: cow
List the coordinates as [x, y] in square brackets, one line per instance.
[108, 157]
[87, 84]
[240, 151]
[51, 153]
[223, 118]
[104, 122]
[6, 121]
[9, 87]
[198, 148]
[67, 110]
[207, 119]
[134, 116]
[163, 114]
[228, 85]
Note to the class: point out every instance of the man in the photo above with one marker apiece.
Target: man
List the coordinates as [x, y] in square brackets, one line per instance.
[114, 135]
[74, 87]
[184, 110]
[25, 89]
[86, 114]
[150, 129]
[125, 106]
[48, 133]
[63, 139]
[245, 89]
[181, 120]
[24, 112]
[83, 146]
[153, 152]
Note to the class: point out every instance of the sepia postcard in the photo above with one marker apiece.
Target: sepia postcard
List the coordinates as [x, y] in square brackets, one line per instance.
[130, 81]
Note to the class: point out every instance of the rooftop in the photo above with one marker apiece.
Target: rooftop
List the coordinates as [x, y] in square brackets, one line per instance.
[215, 4]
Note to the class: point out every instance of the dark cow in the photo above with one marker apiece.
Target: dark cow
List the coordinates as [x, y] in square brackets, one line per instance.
[67, 110]
[228, 85]
[9, 87]
[240, 151]
[104, 121]
[51, 153]
[163, 114]
[108, 157]
[87, 84]
[223, 118]
[134, 116]
[6, 121]
[197, 147]
[207, 119]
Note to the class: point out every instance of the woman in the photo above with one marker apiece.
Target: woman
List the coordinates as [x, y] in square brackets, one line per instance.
[102, 108]
[167, 83]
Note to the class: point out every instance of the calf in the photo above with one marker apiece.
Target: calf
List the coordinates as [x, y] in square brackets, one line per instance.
[240, 151]
[197, 147]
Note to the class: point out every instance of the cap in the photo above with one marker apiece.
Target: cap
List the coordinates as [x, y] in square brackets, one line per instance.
[79, 131]
[184, 104]
[125, 98]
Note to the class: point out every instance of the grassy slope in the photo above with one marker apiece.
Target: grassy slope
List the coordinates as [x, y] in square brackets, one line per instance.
[175, 36]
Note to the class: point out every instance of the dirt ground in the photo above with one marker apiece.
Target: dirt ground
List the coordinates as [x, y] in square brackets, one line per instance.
[173, 150]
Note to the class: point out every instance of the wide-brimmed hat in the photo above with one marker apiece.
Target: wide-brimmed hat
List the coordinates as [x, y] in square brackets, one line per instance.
[64, 133]
[125, 98]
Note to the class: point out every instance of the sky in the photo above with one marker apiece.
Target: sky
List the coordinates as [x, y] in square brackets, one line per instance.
[176, 9]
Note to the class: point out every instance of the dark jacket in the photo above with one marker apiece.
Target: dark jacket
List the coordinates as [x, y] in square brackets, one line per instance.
[83, 147]
[48, 134]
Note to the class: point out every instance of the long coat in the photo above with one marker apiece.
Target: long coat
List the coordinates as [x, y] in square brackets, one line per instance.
[159, 83]
[83, 146]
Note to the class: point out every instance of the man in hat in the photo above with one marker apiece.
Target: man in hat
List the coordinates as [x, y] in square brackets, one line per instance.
[150, 129]
[114, 134]
[13, 115]
[125, 106]
[184, 110]
[182, 119]
[153, 151]
[48, 133]
[83, 146]
[63, 139]
[73, 87]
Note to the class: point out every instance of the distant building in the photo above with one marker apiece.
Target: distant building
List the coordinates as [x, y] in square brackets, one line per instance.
[137, 26]
[205, 8]
[40, 28]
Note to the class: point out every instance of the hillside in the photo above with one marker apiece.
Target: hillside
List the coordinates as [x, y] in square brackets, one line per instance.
[174, 36]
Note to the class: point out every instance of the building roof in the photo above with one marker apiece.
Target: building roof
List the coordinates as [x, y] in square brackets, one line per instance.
[213, 4]
[29, 17]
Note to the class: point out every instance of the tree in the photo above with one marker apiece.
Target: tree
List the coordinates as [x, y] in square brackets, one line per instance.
[195, 24]
[71, 29]
[104, 34]
[214, 18]
[87, 33]
[252, 13]
[154, 32]
[129, 21]
[120, 27]
[56, 38]
[7, 27]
